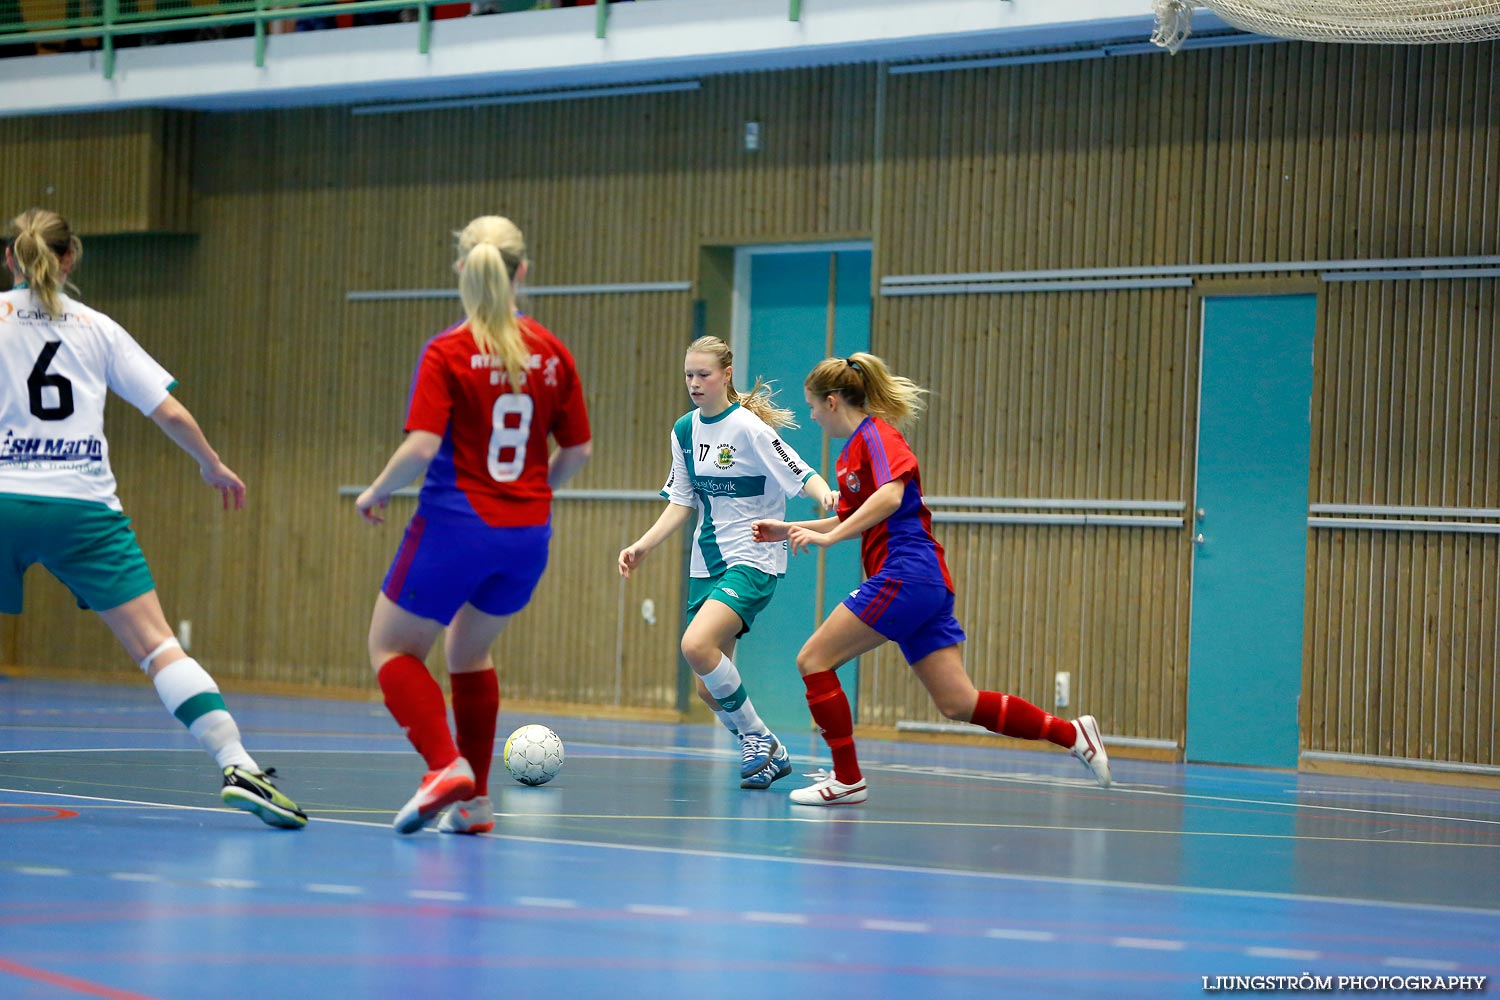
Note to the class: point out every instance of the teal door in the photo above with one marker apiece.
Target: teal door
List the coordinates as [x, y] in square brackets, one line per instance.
[1250, 529]
[803, 306]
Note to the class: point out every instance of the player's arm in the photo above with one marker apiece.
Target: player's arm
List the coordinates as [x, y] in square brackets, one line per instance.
[409, 460]
[772, 530]
[178, 424]
[674, 517]
[566, 462]
[816, 489]
[882, 504]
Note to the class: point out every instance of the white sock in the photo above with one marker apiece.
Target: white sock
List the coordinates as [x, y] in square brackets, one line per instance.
[193, 697]
[723, 682]
[728, 723]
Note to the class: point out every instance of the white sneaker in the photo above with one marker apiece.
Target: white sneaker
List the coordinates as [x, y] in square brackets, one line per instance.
[1089, 748]
[827, 790]
[475, 815]
[439, 789]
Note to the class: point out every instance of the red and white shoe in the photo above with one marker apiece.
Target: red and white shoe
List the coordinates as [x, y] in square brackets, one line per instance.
[475, 815]
[1089, 748]
[438, 790]
[827, 790]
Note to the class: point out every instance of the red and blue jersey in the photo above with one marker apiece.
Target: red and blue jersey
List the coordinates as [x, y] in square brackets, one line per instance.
[902, 546]
[494, 455]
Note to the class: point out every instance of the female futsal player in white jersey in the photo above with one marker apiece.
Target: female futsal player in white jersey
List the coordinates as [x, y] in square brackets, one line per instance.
[58, 359]
[730, 465]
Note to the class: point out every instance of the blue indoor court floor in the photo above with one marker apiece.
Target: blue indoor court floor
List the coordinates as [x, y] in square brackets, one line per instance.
[644, 870]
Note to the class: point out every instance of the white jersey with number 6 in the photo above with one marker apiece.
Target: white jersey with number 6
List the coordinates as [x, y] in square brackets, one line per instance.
[55, 375]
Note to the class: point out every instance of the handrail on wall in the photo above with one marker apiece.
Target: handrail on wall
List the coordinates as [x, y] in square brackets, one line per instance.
[111, 23]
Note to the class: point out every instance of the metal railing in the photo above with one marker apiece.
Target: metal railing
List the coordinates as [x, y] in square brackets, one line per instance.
[107, 22]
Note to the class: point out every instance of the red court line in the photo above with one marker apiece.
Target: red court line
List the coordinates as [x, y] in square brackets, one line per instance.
[69, 982]
[56, 812]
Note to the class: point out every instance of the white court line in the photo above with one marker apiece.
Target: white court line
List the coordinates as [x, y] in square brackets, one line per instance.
[1007, 934]
[762, 917]
[656, 910]
[1435, 965]
[898, 926]
[1147, 944]
[1030, 779]
[1294, 954]
[851, 865]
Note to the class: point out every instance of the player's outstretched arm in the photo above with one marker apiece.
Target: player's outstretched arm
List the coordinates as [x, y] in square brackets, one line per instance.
[178, 424]
[674, 517]
[409, 460]
[772, 530]
[882, 504]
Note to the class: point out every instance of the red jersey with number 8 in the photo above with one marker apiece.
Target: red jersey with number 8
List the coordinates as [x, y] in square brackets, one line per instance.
[493, 460]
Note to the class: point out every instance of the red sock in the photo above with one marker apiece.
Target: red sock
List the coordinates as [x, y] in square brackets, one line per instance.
[830, 710]
[476, 703]
[416, 701]
[1011, 716]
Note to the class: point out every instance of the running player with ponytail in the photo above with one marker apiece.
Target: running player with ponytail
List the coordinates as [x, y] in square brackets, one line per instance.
[487, 395]
[59, 360]
[907, 596]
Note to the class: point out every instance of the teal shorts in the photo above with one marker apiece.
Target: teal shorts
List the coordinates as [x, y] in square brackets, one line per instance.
[87, 546]
[745, 589]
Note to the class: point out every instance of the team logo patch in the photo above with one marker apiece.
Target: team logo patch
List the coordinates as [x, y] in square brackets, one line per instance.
[725, 457]
[851, 483]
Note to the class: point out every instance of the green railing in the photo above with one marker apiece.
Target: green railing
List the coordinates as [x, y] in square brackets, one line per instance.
[113, 23]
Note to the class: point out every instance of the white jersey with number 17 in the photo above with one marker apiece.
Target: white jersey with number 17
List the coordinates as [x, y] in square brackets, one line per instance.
[735, 469]
[55, 374]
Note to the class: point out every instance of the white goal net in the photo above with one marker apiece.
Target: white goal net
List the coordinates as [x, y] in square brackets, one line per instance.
[1401, 22]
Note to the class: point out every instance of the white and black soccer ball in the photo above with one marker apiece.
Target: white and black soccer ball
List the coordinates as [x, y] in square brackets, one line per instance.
[533, 755]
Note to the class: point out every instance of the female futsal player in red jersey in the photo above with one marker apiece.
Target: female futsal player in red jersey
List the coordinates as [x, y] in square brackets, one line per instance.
[907, 596]
[487, 395]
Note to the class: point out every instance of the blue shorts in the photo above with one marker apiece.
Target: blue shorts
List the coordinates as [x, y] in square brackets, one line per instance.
[445, 562]
[917, 616]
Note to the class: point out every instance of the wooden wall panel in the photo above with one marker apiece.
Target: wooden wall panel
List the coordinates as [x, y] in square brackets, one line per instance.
[123, 172]
[1279, 152]
[1400, 661]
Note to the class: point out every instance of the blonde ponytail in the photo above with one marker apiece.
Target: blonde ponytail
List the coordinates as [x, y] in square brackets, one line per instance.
[863, 380]
[758, 400]
[39, 240]
[491, 250]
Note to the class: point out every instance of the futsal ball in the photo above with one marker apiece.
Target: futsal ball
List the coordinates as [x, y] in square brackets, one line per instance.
[533, 755]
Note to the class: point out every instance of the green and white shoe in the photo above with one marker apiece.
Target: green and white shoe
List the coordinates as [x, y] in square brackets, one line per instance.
[255, 793]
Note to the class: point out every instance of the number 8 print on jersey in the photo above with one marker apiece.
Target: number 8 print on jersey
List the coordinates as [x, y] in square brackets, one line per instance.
[493, 459]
